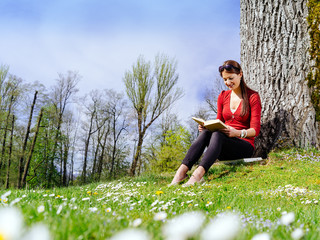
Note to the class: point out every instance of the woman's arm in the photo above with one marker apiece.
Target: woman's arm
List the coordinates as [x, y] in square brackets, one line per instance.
[232, 132]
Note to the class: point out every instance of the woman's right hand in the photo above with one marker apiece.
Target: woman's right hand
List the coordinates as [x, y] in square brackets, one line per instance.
[201, 128]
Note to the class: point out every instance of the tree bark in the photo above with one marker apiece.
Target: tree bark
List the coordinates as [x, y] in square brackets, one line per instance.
[27, 165]
[26, 140]
[275, 62]
[10, 153]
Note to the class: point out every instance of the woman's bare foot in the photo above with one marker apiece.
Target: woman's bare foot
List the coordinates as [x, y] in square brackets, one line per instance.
[196, 176]
[181, 175]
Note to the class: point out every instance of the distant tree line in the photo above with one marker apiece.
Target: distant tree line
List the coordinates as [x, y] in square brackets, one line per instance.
[54, 137]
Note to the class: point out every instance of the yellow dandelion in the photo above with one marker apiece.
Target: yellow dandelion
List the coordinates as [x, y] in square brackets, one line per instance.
[159, 192]
[89, 192]
[95, 193]
[58, 196]
[190, 205]
[228, 207]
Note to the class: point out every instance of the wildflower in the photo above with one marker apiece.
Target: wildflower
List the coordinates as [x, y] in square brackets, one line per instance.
[11, 222]
[136, 222]
[132, 234]
[93, 209]
[15, 201]
[297, 234]
[85, 199]
[160, 216]
[184, 226]
[4, 196]
[59, 209]
[51, 195]
[95, 193]
[279, 209]
[38, 232]
[108, 210]
[159, 192]
[228, 207]
[223, 227]
[261, 236]
[40, 209]
[89, 192]
[152, 209]
[154, 203]
[287, 218]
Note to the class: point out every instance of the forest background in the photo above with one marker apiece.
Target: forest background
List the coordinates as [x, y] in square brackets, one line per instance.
[73, 68]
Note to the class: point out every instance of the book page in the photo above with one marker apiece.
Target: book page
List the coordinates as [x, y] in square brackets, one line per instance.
[199, 120]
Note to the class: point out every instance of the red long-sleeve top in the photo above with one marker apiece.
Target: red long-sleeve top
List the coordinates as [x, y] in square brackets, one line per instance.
[235, 120]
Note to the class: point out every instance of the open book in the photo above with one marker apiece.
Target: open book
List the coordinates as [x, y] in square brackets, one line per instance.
[211, 125]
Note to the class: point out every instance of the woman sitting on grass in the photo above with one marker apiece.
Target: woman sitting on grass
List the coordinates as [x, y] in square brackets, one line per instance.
[240, 109]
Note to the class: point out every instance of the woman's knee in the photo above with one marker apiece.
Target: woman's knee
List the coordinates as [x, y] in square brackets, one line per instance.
[205, 134]
[217, 135]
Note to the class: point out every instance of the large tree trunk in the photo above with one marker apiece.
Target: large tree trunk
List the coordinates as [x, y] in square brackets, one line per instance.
[275, 61]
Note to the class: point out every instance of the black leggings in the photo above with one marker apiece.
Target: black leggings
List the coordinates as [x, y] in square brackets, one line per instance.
[220, 146]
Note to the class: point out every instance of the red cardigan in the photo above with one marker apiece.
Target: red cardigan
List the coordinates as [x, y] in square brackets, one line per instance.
[250, 120]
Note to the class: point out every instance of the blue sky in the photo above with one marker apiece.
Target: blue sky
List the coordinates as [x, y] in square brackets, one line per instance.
[101, 39]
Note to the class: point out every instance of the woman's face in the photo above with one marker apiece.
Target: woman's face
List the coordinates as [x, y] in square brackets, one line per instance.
[232, 80]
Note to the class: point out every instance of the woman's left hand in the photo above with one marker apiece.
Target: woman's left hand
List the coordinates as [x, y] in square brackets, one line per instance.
[230, 132]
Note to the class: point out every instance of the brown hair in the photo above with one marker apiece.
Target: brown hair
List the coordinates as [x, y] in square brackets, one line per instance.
[234, 67]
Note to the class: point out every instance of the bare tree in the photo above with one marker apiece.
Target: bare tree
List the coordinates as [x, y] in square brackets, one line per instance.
[21, 161]
[97, 117]
[61, 95]
[10, 153]
[212, 93]
[118, 123]
[27, 165]
[151, 92]
[275, 61]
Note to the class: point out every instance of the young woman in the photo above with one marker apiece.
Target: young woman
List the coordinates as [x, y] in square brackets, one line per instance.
[240, 109]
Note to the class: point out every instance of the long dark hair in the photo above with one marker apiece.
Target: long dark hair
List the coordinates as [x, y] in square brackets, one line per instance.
[231, 66]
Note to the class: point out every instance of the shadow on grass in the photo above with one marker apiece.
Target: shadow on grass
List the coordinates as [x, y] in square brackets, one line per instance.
[220, 171]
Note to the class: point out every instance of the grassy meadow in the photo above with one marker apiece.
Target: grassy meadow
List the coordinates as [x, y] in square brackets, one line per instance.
[279, 198]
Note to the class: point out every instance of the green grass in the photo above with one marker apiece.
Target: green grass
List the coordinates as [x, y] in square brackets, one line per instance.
[289, 180]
